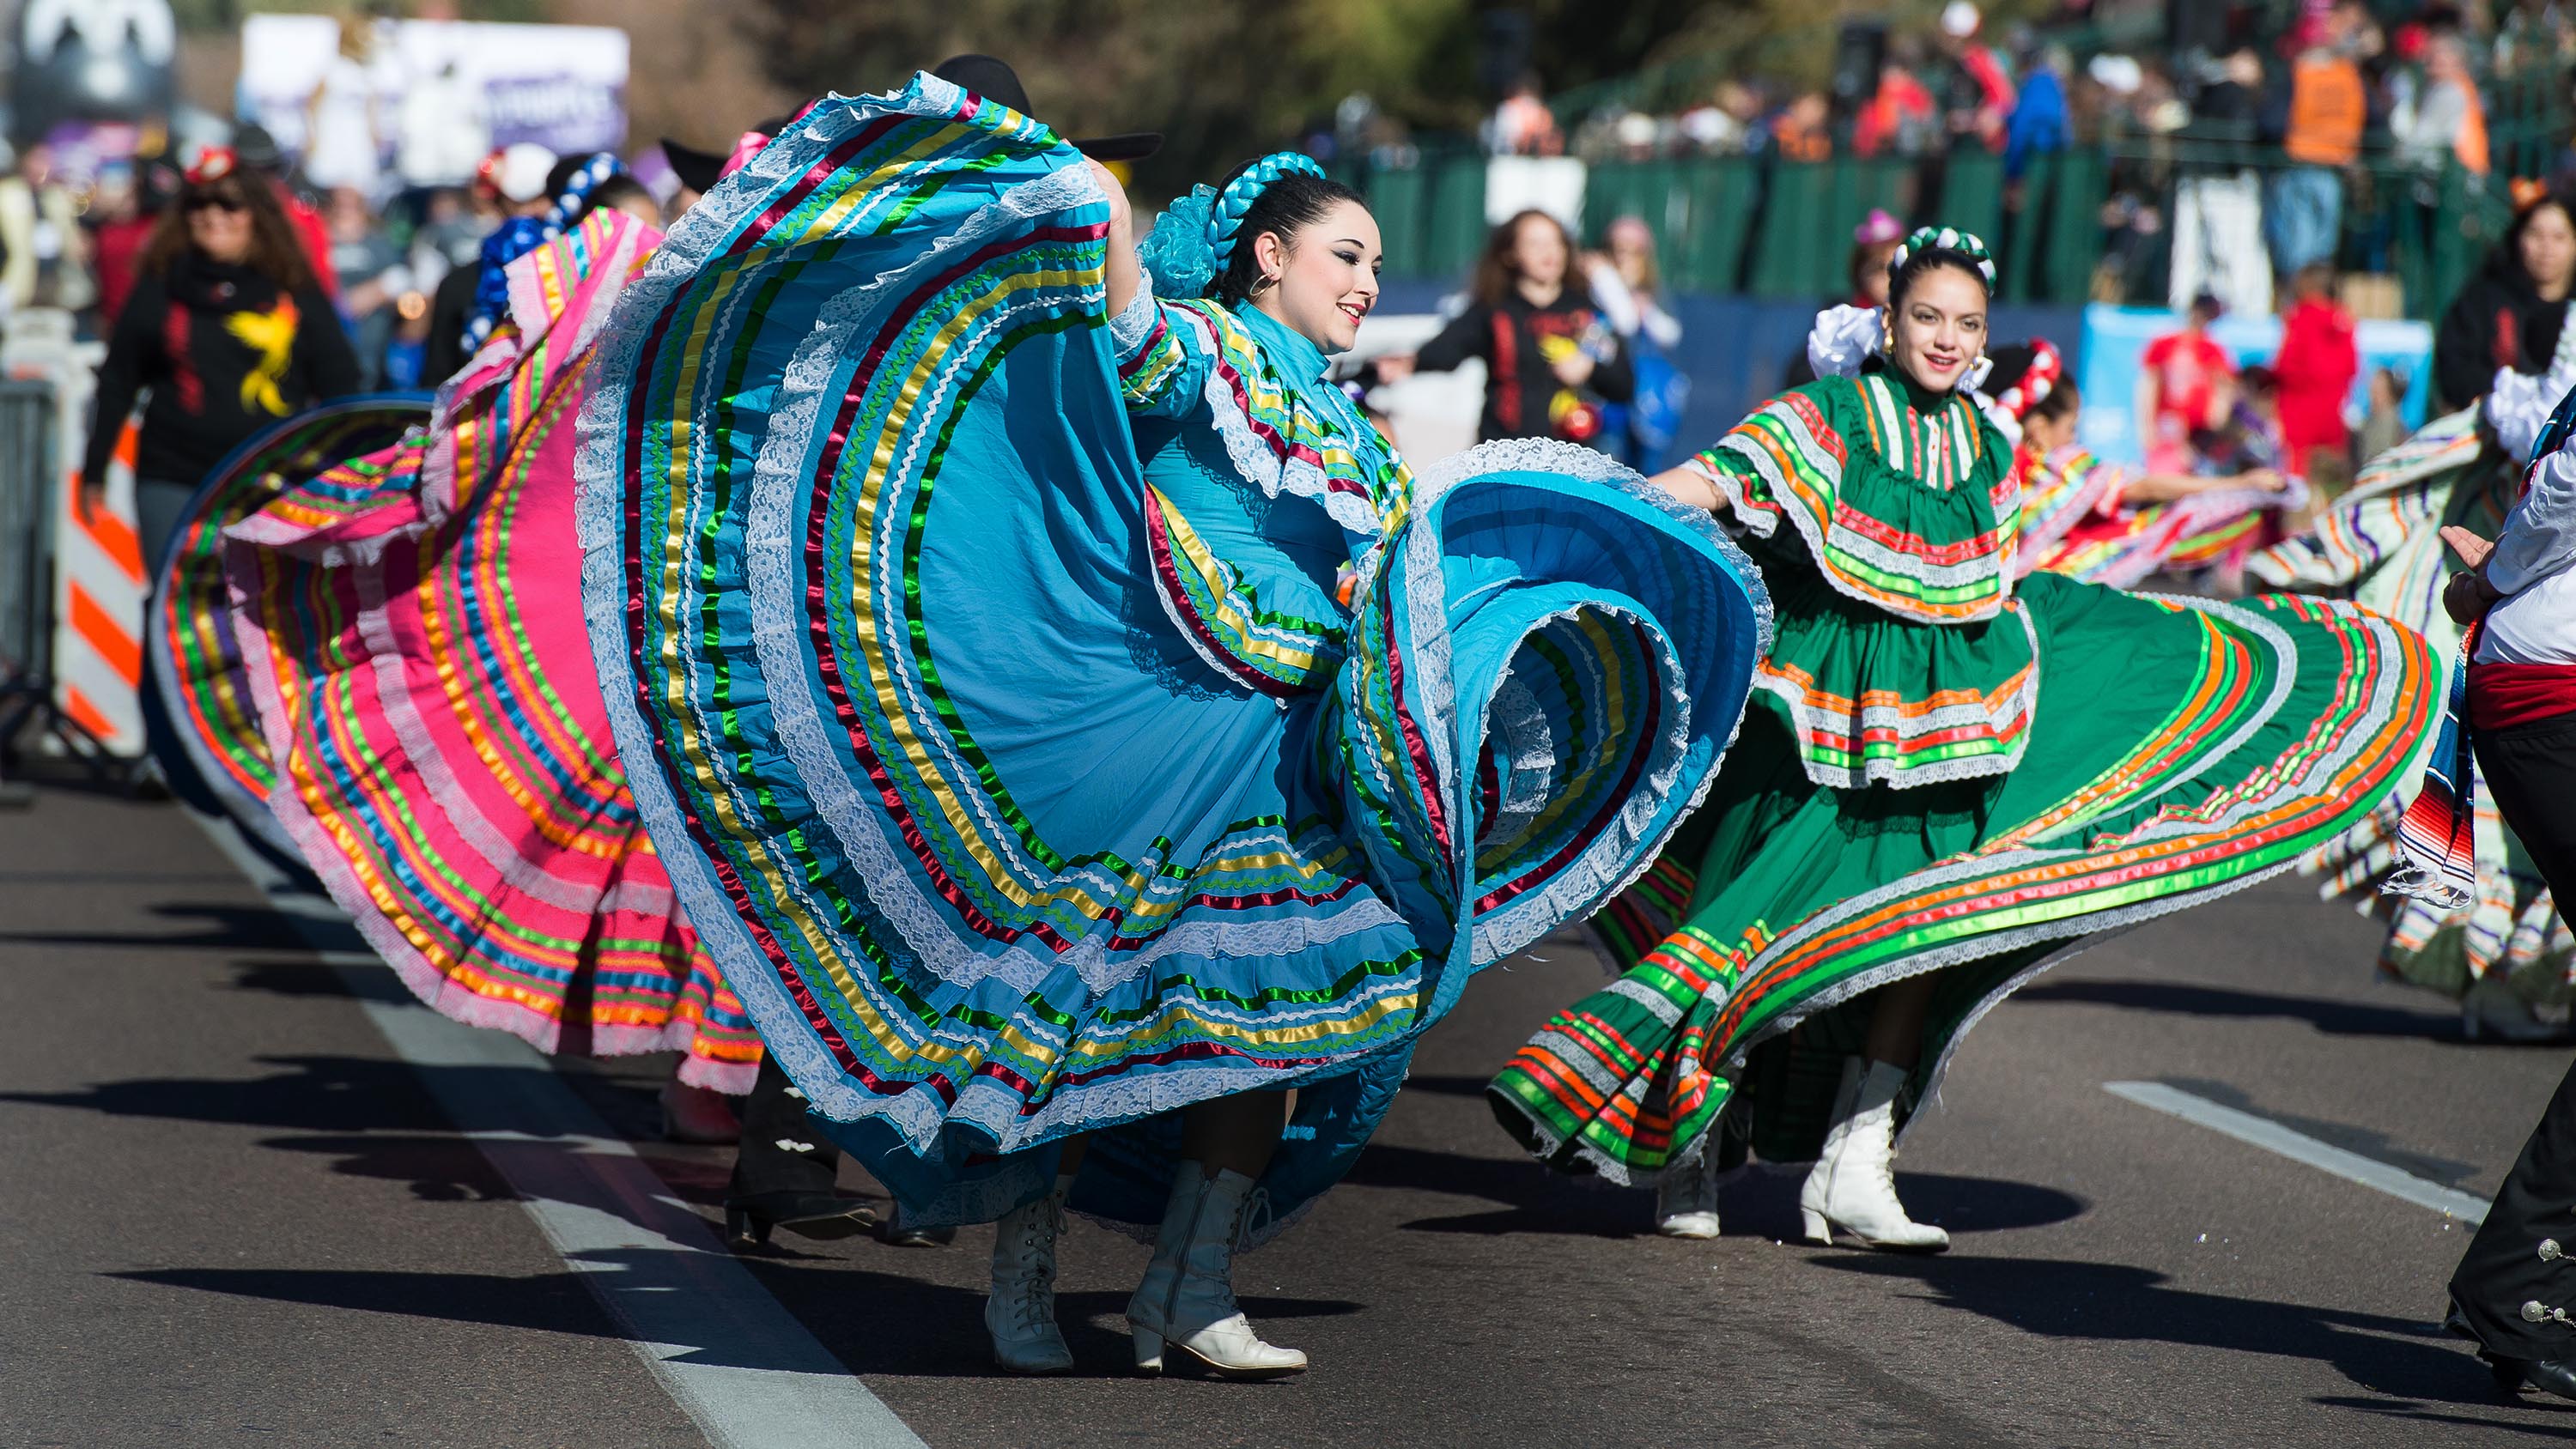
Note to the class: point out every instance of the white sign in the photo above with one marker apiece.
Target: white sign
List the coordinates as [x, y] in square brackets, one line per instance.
[1553, 184]
[420, 102]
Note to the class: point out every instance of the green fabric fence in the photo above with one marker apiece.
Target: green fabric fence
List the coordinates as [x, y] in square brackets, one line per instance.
[1735, 225]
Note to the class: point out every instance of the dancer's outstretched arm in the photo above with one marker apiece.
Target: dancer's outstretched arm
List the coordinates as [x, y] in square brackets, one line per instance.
[1126, 274]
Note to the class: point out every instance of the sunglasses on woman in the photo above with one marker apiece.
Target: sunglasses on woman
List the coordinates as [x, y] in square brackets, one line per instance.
[235, 204]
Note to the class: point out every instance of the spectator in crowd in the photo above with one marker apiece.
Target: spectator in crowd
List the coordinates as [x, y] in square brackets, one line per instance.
[1724, 123]
[449, 235]
[121, 224]
[696, 171]
[44, 259]
[1874, 244]
[2182, 388]
[2447, 120]
[1627, 285]
[2316, 366]
[1898, 119]
[344, 124]
[1980, 92]
[2244, 434]
[2535, 35]
[371, 276]
[2511, 312]
[2384, 426]
[2327, 109]
[2218, 209]
[1550, 357]
[445, 129]
[512, 182]
[1523, 125]
[1798, 133]
[228, 328]
[2039, 124]
[256, 152]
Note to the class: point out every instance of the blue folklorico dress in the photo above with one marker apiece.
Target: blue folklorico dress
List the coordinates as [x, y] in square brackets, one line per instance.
[979, 664]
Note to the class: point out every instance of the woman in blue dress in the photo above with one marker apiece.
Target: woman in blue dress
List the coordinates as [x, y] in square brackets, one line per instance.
[1091, 753]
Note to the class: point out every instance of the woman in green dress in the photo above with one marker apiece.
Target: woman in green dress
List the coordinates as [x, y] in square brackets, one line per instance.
[1948, 779]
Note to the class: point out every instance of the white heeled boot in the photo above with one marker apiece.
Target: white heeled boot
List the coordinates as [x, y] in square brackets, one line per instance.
[1020, 1313]
[1853, 1185]
[1186, 1301]
[1686, 1202]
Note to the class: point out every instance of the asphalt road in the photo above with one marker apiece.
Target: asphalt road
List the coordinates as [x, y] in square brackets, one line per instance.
[231, 1213]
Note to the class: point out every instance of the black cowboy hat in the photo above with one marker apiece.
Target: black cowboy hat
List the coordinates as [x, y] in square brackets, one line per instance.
[698, 170]
[995, 80]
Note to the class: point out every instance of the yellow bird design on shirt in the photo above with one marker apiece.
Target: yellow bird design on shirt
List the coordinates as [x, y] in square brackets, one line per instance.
[271, 334]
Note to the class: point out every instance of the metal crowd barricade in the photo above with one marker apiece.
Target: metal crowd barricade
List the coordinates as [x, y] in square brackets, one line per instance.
[26, 529]
[30, 468]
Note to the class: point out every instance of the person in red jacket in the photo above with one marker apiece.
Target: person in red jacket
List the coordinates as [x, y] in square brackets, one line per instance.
[124, 228]
[2317, 365]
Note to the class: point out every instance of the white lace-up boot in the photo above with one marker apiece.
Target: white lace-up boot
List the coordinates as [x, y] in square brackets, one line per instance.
[1186, 1301]
[1853, 1186]
[1020, 1313]
[1686, 1201]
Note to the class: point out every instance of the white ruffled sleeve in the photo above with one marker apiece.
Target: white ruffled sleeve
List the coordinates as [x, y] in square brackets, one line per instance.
[1842, 339]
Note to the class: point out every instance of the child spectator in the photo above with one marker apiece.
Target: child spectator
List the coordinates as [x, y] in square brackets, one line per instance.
[2317, 364]
[2180, 388]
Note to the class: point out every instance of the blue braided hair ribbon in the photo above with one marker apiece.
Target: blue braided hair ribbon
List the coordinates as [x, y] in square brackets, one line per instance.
[521, 235]
[1194, 237]
[1946, 239]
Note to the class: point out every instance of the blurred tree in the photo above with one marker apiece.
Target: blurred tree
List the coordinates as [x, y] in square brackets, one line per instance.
[1221, 81]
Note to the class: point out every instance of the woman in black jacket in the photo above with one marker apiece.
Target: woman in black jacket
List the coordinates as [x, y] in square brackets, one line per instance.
[2511, 312]
[1548, 353]
[228, 329]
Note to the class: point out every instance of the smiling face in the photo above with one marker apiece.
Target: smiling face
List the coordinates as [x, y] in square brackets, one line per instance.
[1538, 251]
[1939, 327]
[1325, 275]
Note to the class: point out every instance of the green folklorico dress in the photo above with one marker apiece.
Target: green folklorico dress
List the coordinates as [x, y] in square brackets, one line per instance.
[1943, 770]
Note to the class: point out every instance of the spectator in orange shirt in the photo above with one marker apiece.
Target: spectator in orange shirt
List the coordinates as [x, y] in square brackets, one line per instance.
[2320, 123]
[1799, 132]
[1898, 119]
[2448, 121]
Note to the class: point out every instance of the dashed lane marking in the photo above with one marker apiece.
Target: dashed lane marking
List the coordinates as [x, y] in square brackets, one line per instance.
[2297, 1146]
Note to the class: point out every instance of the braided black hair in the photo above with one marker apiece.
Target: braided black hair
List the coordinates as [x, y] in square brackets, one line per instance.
[1285, 205]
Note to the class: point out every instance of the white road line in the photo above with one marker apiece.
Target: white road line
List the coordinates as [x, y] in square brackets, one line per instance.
[2271, 1136]
[737, 1362]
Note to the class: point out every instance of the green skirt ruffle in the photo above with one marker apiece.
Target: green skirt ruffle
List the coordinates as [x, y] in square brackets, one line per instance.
[2179, 750]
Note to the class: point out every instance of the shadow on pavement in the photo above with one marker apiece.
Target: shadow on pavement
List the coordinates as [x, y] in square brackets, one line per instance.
[225, 927]
[2406, 1359]
[2413, 1413]
[875, 1323]
[305, 978]
[314, 1094]
[2333, 1017]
